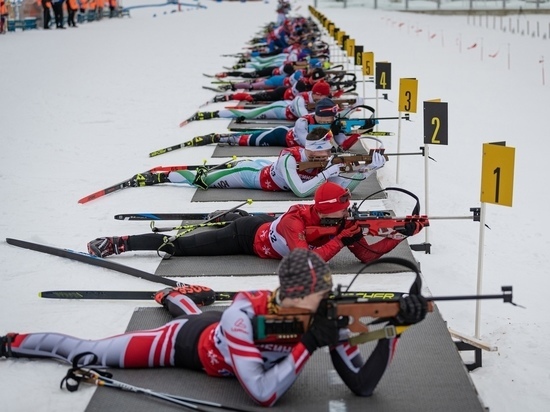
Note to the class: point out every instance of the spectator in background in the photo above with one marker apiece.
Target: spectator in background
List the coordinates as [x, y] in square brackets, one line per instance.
[58, 13]
[72, 7]
[83, 9]
[3, 16]
[100, 5]
[46, 6]
[112, 9]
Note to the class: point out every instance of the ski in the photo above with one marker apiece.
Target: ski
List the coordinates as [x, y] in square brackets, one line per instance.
[91, 260]
[378, 133]
[215, 89]
[177, 216]
[150, 295]
[131, 182]
[195, 141]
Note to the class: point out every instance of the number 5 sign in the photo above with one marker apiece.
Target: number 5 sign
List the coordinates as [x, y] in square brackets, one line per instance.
[497, 174]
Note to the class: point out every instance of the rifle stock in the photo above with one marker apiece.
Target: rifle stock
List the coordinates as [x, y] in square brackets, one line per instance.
[347, 161]
[290, 323]
[371, 225]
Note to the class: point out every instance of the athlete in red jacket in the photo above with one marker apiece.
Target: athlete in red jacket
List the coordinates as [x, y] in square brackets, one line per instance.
[269, 237]
[224, 344]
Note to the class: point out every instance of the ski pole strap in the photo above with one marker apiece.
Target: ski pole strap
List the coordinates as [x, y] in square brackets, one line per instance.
[387, 332]
[77, 373]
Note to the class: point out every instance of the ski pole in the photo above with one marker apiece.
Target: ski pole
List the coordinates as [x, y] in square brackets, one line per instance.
[95, 378]
[188, 228]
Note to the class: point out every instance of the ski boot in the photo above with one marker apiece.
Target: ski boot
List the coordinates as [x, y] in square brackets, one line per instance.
[204, 116]
[200, 178]
[200, 295]
[107, 246]
[149, 179]
[5, 345]
[227, 87]
[203, 140]
[223, 98]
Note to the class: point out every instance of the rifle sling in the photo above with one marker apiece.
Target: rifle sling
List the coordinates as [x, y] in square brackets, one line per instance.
[387, 332]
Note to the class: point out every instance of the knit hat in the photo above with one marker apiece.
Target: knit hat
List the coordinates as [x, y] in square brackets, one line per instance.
[302, 273]
[288, 68]
[325, 108]
[318, 74]
[321, 88]
[330, 198]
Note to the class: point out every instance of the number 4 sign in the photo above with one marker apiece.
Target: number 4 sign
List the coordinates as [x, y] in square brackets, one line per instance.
[497, 174]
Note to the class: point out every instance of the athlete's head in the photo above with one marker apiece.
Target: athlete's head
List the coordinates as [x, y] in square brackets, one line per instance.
[325, 111]
[332, 200]
[318, 144]
[304, 279]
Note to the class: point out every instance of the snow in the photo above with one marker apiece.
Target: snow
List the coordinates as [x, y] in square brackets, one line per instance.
[81, 108]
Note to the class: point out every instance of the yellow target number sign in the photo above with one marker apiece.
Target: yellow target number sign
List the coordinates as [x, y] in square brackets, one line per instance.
[497, 174]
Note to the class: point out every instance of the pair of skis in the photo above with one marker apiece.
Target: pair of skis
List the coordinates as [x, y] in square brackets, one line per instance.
[125, 294]
[133, 181]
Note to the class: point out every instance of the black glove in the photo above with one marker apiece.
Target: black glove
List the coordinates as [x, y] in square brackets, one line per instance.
[411, 228]
[322, 332]
[350, 235]
[336, 127]
[412, 309]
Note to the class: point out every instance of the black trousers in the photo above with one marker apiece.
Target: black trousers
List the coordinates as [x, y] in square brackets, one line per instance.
[70, 16]
[237, 238]
[58, 13]
[47, 17]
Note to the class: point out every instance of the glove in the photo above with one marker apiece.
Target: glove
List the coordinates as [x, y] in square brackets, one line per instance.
[336, 127]
[351, 234]
[350, 141]
[331, 171]
[378, 161]
[322, 332]
[412, 309]
[411, 228]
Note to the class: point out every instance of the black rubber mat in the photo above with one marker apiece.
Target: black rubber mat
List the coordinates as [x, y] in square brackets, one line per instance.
[364, 189]
[427, 374]
[241, 265]
[253, 124]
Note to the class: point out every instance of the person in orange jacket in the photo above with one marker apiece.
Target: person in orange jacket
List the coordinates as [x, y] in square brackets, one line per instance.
[100, 6]
[3, 16]
[112, 8]
[72, 7]
[46, 6]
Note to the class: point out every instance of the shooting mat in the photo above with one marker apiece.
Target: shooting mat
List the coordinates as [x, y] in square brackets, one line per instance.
[427, 374]
[364, 189]
[242, 265]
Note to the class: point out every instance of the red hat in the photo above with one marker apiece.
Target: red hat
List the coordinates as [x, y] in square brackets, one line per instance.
[330, 198]
[321, 88]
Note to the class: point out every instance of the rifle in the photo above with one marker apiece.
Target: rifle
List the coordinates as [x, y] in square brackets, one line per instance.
[347, 160]
[290, 323]
[379, 224]
[373, 225]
